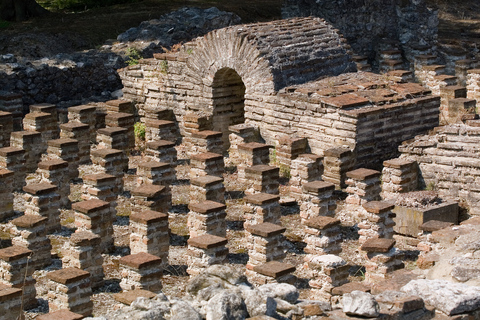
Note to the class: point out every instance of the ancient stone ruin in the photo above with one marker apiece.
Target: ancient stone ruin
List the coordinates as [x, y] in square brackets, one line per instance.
[255, 173]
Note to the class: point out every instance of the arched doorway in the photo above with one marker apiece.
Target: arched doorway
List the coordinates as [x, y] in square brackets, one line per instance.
[228, 100]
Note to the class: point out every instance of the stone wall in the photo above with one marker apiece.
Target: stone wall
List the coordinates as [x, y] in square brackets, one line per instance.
[374, 25]
[448, 162]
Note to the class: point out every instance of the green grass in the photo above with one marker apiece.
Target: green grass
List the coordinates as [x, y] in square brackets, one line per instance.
[4, 24]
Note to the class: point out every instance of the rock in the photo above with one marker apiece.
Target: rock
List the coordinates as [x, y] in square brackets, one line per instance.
[358, 303]
[259, 304]
[227, 273]
[182, 310]
[226, 305]
[282, 291]
[203, 281]
[450, 298]
[207, 293]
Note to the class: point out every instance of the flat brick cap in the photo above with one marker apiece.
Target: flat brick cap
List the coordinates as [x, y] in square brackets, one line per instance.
[153, 165]
[99, 177]
[11, 151]
[85, 238]
[14, 253]
[322, 222]
[207, 207]
[82, 109]
[262, 198]
[207, 134]
[274, 269]
[434, 225]
[148, 190]
[62, 314]
[251, 146]
[206, 156]
[265, 229]
[337, 152]
[349, 287]
[29, 221]
[90, 205]
[53, 164]
[398, 163]
[105, 153]
[129, 296]
[363, 174]
[205, 181]
[6, 173]
[378, 245]
[68, 275]
[378, 207]
[63, 142]
[8, 293]
[40, 188]
[160, 144]
[261, 168]
[148, 217]
[318, 186]
[140, 260]
[207, 241]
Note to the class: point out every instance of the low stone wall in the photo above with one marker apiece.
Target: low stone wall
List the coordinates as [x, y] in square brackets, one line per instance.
[448, 162]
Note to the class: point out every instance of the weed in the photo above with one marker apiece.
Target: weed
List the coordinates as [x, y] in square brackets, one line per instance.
[133, 56]
[4, 24]
[285, 171]
[164, 67]
[273, 156]
[139, 129]
[189, 50]
[430, 186]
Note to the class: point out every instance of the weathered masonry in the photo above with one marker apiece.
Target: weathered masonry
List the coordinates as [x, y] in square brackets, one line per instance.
[290, 77]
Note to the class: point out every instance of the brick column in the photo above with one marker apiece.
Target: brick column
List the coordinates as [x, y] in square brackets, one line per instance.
[376, 220]
[10, 303]
[157, 173]
[162, 151]
[337, 162]
[265, 243]
[13, 159]
[83, 251]
[305, 168]
[207, 218]
[6, 194]
[57, 172]
[112, 161]
[317, 200]
[398, 176]
[271, 272]
[239, 134]
[206, 164]
[289, 148]
[156, 129]
[6, 128]
[42, 199]
[70, 289]
[327, 272]
[322, 236]
[81, 133]
[141, 271]
[382, 258]
[206, 141]
[204, 251]
[12, 102]
[100, 186]
[473, 84]
[260, 208]
[120, 105]
[363, 186]
[31, 142]
[87, 115]
[67, 150]
[97, 217]
[151, 197]
[17, 273]
[113, 138]
[262, 178]
[41, 122]
[51, 109]
[122, 120]
[149, 233]
[30, 232]
[251, 154]
[207, 188]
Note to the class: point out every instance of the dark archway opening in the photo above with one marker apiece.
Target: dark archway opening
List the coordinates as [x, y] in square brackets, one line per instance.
[228, 95]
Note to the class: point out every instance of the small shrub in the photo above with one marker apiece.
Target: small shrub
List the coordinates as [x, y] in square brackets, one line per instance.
[133, 56]
[139, 129]
[164, 66]
[430, 186]
[285, 171]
